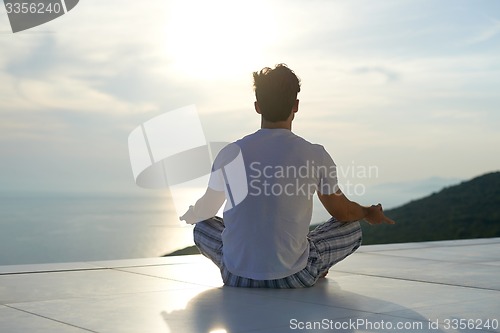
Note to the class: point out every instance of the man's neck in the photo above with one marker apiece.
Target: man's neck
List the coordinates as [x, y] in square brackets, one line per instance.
[278, 124]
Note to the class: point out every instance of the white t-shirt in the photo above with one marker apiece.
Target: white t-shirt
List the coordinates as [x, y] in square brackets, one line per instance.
[269, 178]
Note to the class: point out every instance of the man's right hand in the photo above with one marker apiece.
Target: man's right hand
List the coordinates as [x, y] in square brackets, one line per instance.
[345, 210]
[375, 215]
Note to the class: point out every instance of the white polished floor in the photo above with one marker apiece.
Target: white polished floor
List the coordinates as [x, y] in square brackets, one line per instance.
[449, 286]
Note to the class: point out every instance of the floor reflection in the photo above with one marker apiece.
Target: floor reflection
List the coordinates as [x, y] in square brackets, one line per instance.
[325, 305]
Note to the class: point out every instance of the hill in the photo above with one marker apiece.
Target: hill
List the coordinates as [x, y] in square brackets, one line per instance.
[470, 209]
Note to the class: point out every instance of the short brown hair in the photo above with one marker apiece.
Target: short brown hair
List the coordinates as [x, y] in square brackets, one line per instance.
[276, 91]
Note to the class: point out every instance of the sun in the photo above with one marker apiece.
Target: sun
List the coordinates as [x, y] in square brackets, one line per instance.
[218, 39]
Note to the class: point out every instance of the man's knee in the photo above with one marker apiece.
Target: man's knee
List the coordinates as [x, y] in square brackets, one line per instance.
[197, 233]
[358, 232]
[357, 226]
[353, 233]
[213, 227]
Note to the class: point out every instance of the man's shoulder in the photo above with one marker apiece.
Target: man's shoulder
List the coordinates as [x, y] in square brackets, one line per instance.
[306, 141]
[311, 146]
[227, 154]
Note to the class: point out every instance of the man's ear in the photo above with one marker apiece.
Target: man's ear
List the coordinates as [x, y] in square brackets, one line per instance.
[296, 106]
[257, 107]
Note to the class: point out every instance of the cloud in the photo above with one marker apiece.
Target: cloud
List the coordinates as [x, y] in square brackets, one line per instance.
[387, 75]
[72, 95]
[487, 33]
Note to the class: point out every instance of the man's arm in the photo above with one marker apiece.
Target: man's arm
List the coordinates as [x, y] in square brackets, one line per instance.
[205, 208]
[345, 210]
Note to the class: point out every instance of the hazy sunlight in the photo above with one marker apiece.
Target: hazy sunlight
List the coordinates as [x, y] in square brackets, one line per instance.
[204, 41]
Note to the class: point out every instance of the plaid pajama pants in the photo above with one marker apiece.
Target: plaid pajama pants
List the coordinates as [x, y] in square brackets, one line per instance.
[329, 243]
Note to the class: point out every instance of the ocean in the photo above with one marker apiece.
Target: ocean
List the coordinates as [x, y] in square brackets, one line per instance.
[47, 228]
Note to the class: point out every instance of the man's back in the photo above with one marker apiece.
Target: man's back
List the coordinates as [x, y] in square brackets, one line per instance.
[266, 233]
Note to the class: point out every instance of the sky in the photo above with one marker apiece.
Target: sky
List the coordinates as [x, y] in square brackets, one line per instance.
[408, 89]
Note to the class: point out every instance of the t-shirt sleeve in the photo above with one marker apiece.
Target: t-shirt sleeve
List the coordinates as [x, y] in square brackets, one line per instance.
[216, 180]
[225, 157]
[327, 174]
